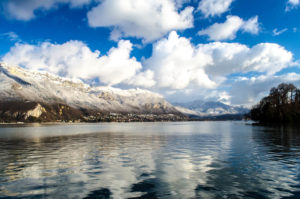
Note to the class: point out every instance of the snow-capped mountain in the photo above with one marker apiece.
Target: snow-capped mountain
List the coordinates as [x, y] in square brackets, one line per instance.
[210, 108]
[26, 94]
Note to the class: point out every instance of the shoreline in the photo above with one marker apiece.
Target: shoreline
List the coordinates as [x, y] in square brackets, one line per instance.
[74, 123]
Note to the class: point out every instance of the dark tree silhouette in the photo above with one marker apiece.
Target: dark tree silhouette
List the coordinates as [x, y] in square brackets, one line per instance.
[282, 105]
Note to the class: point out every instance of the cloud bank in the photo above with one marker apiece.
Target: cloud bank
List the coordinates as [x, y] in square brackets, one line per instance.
[177, 62]
[175, 65]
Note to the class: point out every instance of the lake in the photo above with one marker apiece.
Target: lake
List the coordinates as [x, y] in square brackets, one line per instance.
[149, 160]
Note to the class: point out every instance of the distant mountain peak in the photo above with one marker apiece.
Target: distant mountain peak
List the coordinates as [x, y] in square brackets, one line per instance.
[209, 108]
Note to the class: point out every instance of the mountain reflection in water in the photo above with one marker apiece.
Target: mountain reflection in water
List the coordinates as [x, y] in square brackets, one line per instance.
[150, 160]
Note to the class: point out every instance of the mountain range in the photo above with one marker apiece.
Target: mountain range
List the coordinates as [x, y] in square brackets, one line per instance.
[199, 108]
[42, 97]
[35, 96]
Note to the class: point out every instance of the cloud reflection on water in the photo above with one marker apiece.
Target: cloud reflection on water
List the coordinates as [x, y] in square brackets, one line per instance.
[163, 160]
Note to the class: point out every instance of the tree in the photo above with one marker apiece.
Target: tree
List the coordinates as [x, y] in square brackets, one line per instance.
[282, 105]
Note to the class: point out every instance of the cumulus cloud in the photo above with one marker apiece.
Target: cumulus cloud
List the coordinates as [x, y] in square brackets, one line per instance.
[292, 4]
[25, 9]
[231, 58]
[228, 29]
[247, 91]
[178, 64]
[251, 25]
[143, 79]
[75, 60]
[148, 20]
[212, 8]
[176, 68]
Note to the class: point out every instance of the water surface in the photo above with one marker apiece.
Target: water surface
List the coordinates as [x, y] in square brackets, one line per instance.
[149, 160]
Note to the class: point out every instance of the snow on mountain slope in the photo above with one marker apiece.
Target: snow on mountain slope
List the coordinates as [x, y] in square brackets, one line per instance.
[17, 83]
[211, 108]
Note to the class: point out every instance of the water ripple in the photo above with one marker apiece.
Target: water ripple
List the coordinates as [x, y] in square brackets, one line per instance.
[150, 160]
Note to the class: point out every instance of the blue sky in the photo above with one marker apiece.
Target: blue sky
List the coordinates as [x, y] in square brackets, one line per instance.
[183, 49]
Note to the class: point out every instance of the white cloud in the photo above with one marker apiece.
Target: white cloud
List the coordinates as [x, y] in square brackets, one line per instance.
[231, 58]
[180, 3]
[75, 60]
[188, 95]
[177, 64]
[279, 32]
[185, 71]
[177, 68]
[247, 91]
[149, 20]
[214, 7]
[228, 29]
[222, 31]
[144, 79]
[251, 25]
[12, 36]
[292, 4]
[25, 9]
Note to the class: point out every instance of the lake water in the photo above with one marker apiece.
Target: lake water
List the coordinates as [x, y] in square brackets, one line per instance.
[149, 160]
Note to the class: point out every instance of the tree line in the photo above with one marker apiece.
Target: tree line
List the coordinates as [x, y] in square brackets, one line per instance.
[281, 106]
